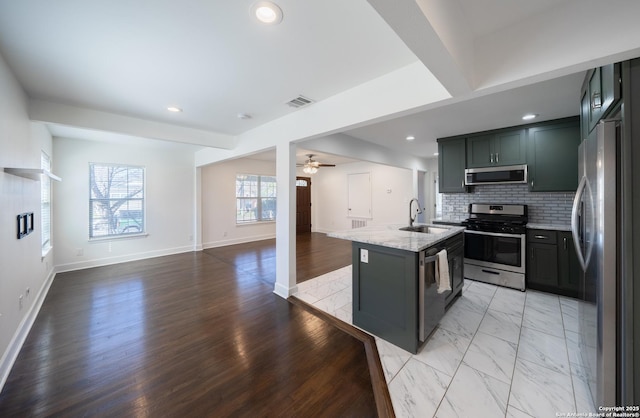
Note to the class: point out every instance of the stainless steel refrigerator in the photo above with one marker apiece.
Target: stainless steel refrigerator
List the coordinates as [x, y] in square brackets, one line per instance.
[602, 222]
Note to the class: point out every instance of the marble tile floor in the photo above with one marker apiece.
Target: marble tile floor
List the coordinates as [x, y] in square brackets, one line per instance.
[497, 352]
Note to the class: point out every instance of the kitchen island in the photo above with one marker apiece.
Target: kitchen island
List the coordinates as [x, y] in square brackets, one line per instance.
[394, 290]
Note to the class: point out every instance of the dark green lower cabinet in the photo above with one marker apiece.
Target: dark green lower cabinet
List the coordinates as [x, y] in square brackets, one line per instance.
[387, 291]
[552, 263]
[568, 266]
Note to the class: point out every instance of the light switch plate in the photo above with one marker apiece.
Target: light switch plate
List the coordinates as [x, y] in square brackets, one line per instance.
[364, 255]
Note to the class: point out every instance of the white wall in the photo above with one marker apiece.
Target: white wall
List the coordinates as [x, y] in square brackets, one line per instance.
[329, 195]
[219, 202]
[21, 263]
[170, 200]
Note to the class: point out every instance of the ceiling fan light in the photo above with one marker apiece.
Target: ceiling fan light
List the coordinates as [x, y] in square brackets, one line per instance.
[309, 169]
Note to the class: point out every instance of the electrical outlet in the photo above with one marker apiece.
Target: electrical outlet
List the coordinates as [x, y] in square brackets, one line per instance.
[79, 252]
[20, 299]
[364, 255]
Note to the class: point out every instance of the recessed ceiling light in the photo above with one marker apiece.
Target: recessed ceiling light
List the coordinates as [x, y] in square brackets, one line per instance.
[410, 138]
[174, 109]
[267, 12]
[244, 116]
[529, 116]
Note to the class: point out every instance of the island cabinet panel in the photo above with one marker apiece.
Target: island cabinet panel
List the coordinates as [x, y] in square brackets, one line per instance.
[385, 294]
[395, 292]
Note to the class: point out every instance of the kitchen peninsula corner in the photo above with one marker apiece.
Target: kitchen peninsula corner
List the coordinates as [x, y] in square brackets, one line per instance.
[394, 291]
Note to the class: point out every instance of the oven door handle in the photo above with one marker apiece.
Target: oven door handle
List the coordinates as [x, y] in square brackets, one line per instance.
[493, 234]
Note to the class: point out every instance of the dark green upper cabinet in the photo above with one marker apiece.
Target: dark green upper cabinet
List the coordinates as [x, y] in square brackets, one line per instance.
[585, 107]
[553, 156]
[595, 98]
[497, 149]
[601, 91]
[479, 152]
[451, 165]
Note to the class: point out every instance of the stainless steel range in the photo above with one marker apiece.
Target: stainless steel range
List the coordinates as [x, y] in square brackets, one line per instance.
[494, 244]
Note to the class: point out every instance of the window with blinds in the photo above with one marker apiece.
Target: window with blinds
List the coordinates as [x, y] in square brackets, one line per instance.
[255, 198]
[45, 204]
[116, 200]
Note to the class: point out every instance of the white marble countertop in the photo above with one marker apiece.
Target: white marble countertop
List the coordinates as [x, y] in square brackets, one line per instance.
[390, 236]
[450, 219]
[553, 227]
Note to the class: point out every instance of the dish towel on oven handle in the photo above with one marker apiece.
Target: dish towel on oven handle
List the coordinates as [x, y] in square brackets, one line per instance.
[442, 272]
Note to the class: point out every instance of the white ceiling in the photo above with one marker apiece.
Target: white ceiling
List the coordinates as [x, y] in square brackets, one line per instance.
[209, 57]
[552, 99]
[489, 16]
[498, 58]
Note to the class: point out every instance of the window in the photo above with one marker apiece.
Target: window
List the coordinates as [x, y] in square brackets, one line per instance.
[45, 204]
[255, 198]
[116, 200]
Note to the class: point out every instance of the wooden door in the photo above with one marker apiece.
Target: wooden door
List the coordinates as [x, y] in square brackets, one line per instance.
[303, 204]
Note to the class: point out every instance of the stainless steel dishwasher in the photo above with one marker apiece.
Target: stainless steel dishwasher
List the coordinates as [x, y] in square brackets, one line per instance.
[430, 302]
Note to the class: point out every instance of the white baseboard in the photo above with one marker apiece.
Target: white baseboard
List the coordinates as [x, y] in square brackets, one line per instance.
[233, 241]
[122, 259]
[11, 354]
[284, 291]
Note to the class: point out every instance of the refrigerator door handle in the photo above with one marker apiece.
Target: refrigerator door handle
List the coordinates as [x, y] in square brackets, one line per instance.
[584, 190]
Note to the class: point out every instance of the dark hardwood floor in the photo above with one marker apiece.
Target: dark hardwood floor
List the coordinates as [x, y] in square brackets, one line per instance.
[190, 335]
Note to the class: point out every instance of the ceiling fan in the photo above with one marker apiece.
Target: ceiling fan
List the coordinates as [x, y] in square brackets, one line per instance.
[311, 166]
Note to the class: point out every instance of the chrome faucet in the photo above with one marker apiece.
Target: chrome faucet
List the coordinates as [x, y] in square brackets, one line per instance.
[412, 218]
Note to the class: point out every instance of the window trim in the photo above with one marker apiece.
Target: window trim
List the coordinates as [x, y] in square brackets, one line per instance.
[144, 232]
[259, 199]
[45, 246]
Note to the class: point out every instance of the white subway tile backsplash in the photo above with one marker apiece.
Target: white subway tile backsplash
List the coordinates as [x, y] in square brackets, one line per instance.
[548, 208]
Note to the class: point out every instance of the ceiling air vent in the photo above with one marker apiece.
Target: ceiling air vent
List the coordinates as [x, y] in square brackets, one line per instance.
[299, 101]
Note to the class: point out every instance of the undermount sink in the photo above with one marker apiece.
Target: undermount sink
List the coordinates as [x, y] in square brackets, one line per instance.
[425, 229]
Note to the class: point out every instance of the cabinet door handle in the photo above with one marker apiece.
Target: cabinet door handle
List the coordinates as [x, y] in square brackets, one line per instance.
[492, 157]
[596, 100]
[497, 157]
[532, 183]
[564, 243]
[541, 237]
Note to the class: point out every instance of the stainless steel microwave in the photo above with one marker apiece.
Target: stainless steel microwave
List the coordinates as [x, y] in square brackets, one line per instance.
[509, 174]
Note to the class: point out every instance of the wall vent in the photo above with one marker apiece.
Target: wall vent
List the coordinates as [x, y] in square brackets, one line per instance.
[299, 101]
[358, 223]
